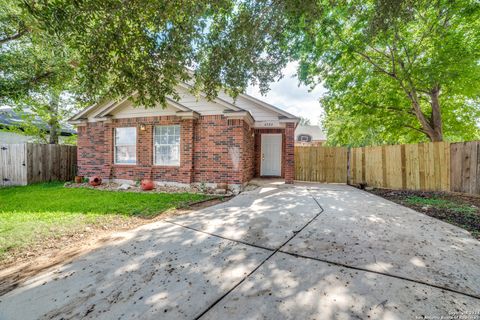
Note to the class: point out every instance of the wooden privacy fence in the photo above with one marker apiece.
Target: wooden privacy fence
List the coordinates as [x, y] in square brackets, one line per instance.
[321, 164]
[424, 166]
[465, 167]
[22, 164]
[435, 166]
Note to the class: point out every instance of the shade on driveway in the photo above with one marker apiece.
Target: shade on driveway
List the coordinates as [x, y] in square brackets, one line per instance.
[278, 252]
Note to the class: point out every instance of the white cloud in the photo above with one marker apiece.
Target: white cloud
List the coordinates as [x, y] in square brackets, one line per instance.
[289, 96]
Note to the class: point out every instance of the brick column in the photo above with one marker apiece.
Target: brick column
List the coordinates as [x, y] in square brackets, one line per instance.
[143, 168]
[187, 129]
[235, 151]
[107, 150]
[289, 152]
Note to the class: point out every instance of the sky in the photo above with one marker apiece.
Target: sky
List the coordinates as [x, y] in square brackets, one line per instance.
[286, 94]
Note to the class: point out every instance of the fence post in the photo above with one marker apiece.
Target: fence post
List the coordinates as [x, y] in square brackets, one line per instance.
[348, 165]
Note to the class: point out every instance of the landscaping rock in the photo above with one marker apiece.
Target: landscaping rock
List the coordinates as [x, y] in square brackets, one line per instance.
[250, 187]
[124, 187]
[221, 186]
[160, 188]
[235, 189]
[220, 191]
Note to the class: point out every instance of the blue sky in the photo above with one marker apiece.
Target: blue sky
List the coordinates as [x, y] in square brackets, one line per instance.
[286, 94]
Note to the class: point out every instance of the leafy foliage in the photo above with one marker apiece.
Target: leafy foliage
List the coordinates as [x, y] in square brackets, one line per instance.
[413, 79]
[146, 47]
[395, 70]
[305, 121]
[38, 73]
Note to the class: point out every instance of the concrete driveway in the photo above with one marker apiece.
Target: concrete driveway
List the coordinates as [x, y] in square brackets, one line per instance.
[277, 252]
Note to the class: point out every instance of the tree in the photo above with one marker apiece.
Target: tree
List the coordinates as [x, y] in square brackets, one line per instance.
[414, 77]
[400, 66]
[149, 46]
[304, 121]
[37, 71]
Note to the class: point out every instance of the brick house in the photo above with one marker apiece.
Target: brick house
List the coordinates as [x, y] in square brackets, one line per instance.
[192, 140]
[307, 135]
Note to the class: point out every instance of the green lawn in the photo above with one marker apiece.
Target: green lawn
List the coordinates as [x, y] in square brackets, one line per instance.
[442, 204]
[33, 213]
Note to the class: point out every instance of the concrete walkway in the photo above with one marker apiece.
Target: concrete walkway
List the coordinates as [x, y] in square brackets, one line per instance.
[307, 251]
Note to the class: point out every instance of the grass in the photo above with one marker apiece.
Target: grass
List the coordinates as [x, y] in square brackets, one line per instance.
[30, 214]
[441, 204]
[457, 212]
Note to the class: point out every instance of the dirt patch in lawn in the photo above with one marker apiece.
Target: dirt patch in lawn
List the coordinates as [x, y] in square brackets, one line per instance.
[457, 209]
[55, 251]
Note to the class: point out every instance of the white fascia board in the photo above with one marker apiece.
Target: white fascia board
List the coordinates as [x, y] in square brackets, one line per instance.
[217, 99]
[241, 115]
[268, 106]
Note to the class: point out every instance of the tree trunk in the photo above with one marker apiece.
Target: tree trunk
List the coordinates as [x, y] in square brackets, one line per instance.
[53, 122]
[436, 118]
[431, 127]
[53, 135]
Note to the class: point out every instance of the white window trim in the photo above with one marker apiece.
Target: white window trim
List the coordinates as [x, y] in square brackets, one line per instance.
[115, 148]
[179, 146]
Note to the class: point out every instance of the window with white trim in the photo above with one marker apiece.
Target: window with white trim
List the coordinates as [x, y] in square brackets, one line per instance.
[126, 145]
[166, 145]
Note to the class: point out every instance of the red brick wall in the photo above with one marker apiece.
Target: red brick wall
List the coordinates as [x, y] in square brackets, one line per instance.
[248, 152]
[218, 144]
[92, 150]
[289, 153]
[212, 149]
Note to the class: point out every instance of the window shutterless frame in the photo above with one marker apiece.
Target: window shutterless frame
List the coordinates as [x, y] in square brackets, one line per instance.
[117, 145]
[166, 137]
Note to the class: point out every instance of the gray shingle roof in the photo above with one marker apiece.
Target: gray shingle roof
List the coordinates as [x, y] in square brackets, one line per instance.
[11, 118]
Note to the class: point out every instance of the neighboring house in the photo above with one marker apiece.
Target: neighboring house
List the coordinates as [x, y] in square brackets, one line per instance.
[192, 140]
[12, 127]
[306, 135]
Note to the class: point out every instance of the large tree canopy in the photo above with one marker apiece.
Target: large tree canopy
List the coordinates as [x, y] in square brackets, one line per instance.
[148, 46]
[37, 71]
[395, 70]
[416, 76]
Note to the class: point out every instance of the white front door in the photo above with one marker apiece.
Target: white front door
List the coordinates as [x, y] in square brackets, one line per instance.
[271, 161]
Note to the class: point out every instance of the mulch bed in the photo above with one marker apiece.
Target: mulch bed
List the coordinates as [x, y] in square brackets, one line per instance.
[113, 186]
[457, 209]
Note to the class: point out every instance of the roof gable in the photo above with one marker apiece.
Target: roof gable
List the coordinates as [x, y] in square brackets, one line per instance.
[124, 108]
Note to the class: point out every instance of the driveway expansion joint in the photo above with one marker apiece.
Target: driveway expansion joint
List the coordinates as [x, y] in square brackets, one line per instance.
[279, 249]
[339, 264]
[377, 272]
[261, 264]
[221, 237]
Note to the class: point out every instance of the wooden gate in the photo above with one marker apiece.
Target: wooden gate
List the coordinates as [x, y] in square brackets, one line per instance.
[13, 167]
[321, 164]
[22, 164]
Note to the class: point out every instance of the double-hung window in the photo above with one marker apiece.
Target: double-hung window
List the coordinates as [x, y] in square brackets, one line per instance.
[126, 145]
[167, 145]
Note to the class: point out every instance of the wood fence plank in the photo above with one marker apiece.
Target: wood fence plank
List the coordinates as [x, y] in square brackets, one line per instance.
[477, 175]
[467, 151]
[437, 166]
[473, 167]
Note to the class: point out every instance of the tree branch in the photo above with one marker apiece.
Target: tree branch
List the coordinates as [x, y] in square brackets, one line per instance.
[13, 36]
[416, 129]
